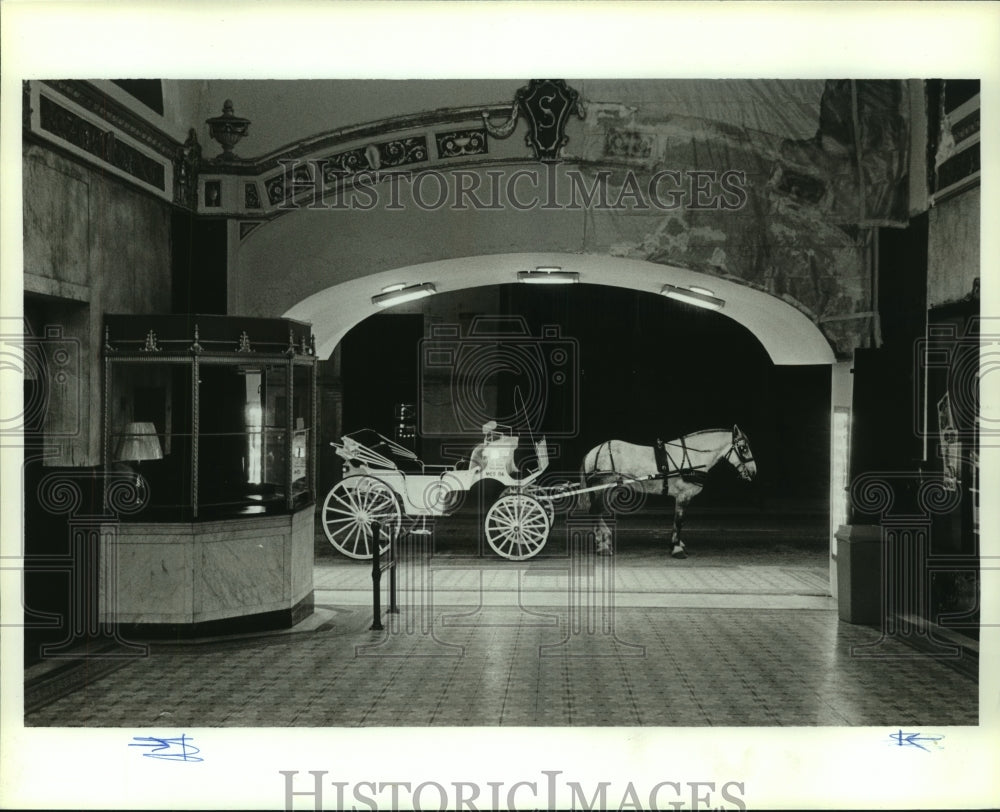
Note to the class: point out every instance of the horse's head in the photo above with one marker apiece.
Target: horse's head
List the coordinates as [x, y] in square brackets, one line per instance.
[740, 447]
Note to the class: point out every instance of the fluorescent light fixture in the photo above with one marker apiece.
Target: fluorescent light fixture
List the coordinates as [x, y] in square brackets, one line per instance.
[397, 294]
[548, 276]
[696, 296]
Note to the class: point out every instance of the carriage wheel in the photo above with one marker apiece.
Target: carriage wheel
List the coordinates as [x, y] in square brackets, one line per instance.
[349, 510]
[529, 491]
[517, 526]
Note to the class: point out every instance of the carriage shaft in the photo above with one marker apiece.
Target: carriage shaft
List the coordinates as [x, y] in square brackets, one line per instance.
[562, 493]
[548, 494]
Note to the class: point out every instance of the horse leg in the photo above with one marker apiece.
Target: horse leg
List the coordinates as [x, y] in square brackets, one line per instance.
[678, 550]
[602, 533]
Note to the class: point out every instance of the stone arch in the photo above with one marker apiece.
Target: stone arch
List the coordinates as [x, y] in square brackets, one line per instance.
[787, 334]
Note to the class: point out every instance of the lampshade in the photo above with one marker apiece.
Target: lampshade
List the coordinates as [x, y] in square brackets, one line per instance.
[139, 442]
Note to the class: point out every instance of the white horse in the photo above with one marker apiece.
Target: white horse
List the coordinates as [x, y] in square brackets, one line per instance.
[677, 468]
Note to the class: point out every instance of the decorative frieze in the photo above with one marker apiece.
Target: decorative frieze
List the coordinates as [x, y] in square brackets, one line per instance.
[369, 133]
[371, 147]
[966, 127]
[251, 197]
[276, 185]
[461, 142]
[955, 142]
[959, 167]
[628, 144]
[115, 115]
[100, 143]
[349, 162]
[402, 151]
[546, 104]
[392, 154]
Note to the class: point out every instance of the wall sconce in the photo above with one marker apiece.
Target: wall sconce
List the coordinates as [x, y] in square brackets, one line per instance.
[227, 129]
[701, 297]
[138, 443]
[548, 276]
[397, 294]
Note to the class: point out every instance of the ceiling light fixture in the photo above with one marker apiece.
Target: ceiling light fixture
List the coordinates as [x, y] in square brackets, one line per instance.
[695, 296]
[548, 276]
[397, 294]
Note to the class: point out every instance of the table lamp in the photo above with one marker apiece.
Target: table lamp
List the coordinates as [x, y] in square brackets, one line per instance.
[139, 442]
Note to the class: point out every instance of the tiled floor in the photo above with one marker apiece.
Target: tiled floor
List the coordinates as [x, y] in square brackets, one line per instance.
[552, 642]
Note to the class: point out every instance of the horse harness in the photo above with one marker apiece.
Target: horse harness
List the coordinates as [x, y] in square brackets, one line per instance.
[665, 465]
[689, 473]
[692, 474]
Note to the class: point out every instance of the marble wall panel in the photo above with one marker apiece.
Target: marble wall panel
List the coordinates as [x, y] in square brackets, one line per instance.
[239, 574]
[196, 572]
[149, 582]
[302, 556]
[57, 204]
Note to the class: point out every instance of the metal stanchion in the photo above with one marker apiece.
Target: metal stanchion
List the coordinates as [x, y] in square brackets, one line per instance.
[377, 569]
[376, 580]
[409, 633]
[393, 606]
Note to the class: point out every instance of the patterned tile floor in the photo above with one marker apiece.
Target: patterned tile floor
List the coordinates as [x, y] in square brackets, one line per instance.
[697, 644]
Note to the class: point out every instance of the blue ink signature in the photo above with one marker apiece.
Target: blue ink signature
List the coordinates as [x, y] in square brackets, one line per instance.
[913, 740]
[187, 751]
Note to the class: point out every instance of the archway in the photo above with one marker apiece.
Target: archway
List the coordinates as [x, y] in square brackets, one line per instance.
[787, 336]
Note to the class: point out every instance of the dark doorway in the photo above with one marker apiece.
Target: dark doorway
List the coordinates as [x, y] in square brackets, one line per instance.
[645, 367]
[379, 370]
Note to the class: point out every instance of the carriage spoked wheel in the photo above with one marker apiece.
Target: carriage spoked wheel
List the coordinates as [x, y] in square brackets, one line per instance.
[517, 525]
[349, 510]
[534, 493]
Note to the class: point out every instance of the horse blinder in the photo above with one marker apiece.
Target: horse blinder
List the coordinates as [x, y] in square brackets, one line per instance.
[742, 450]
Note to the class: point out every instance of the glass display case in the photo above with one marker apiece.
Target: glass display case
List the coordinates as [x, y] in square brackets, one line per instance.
[209, 416]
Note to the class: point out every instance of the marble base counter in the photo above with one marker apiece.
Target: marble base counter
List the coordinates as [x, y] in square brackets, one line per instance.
[183, 573]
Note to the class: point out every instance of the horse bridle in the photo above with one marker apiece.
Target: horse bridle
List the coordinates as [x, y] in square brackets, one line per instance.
[744, 458]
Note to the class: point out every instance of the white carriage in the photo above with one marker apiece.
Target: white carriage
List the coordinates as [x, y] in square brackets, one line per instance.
[385, 482]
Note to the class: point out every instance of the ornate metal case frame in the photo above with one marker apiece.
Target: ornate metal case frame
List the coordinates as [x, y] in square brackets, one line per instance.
[195, 341]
